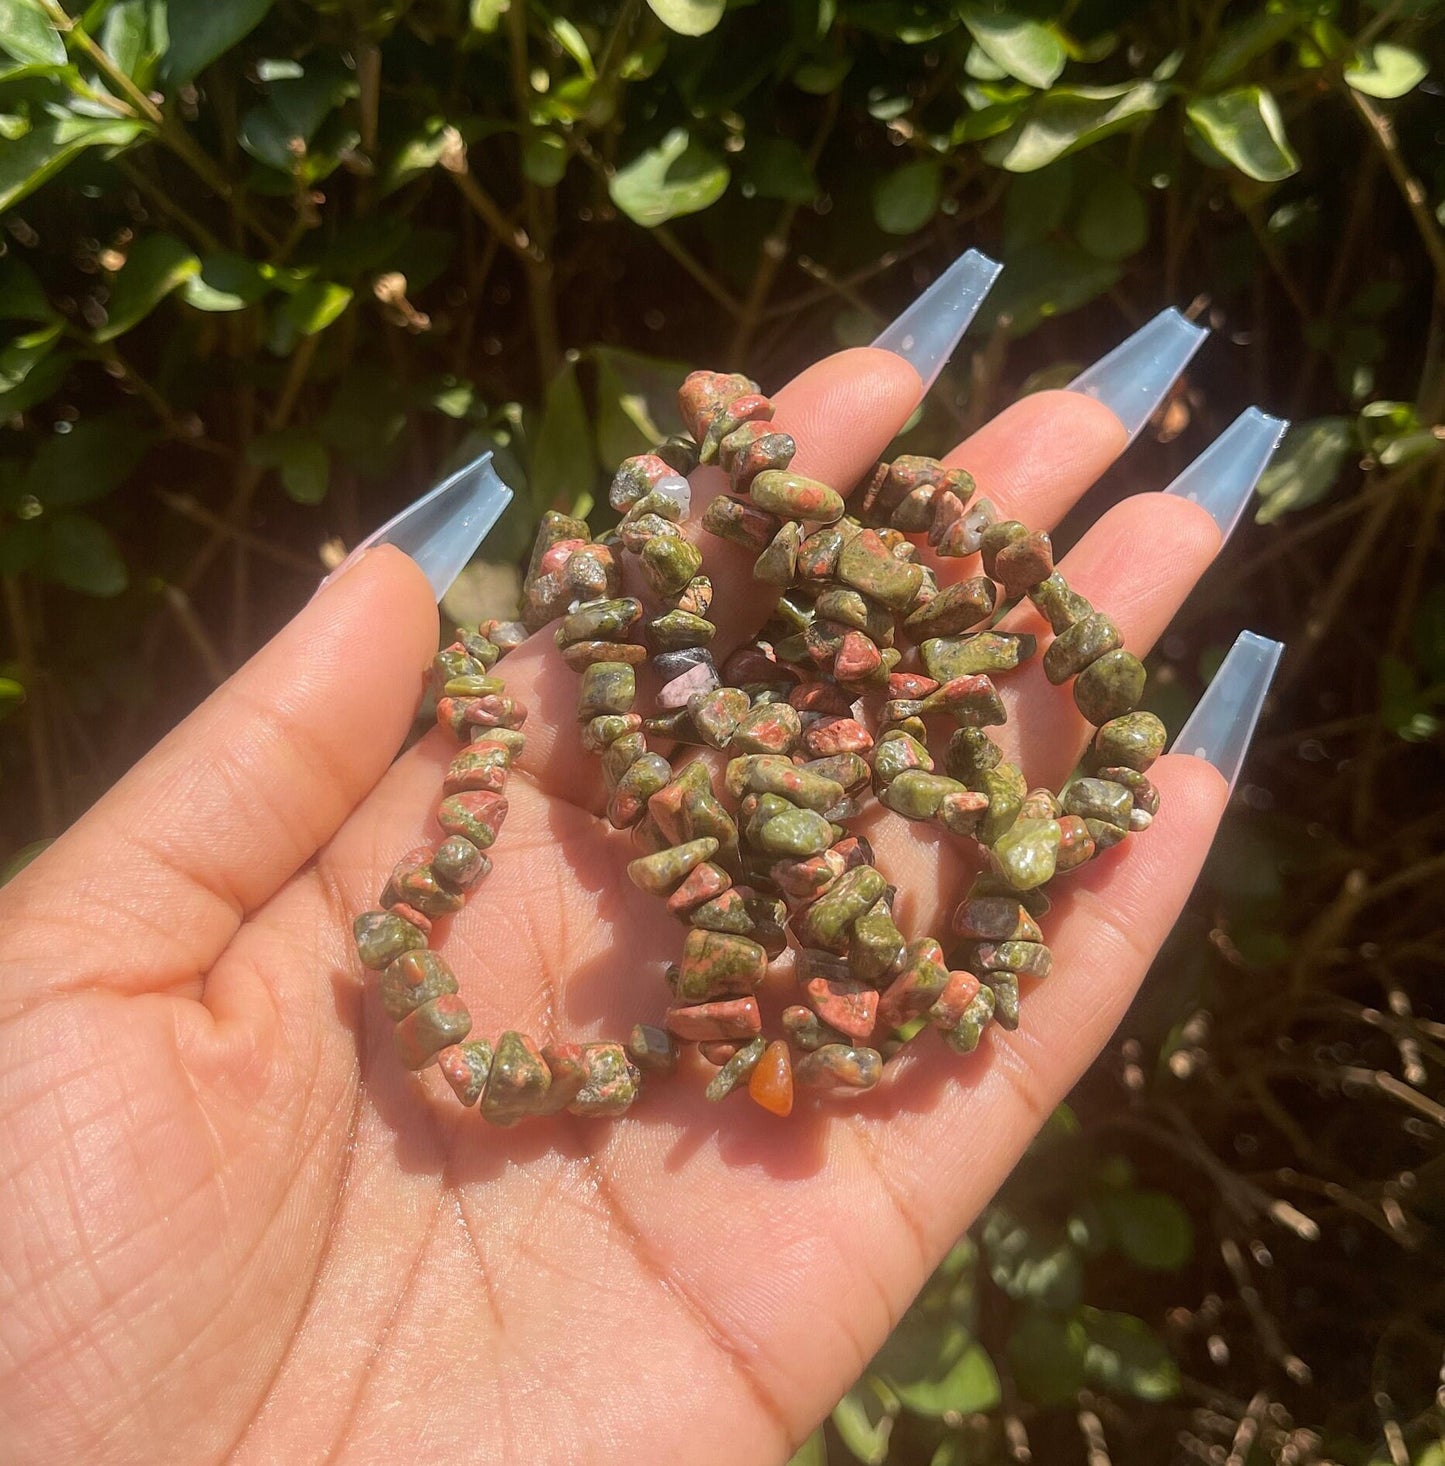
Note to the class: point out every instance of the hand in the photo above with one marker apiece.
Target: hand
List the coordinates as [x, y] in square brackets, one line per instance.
[233, 1227]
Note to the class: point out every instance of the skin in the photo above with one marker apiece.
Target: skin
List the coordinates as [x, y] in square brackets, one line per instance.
[232, 1228]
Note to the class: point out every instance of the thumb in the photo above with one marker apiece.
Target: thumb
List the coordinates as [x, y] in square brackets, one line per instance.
[148, 887]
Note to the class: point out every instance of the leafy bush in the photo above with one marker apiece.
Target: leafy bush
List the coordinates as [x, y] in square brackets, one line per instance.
[272, 266]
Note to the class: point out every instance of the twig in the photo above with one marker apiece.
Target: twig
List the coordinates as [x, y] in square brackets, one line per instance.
[699, 272]
[190, 508]
[1264, 1323]
[179, 605]
[1397, 1089]
[165, 204]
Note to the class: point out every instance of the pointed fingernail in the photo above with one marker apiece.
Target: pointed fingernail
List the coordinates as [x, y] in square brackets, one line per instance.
[442, 530]
[1222, 479]
[927, 332]
[1221, 726]
[1133, 379]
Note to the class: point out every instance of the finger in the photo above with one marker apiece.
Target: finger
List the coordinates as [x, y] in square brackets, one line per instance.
[150, 885]
[843, 412]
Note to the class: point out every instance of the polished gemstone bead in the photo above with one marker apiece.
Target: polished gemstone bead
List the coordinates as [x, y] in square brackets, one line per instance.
[1099, 799]
[876, 946]
[705, 393]
[851, 770]
[458, 863]
[964, 1036]
[510, 738]
[768, 728]
[827, 921]
[583, 654]
[846, 1004]
[954, 1000]
[755, 810]
[740, 522]
[482, 649]
[858, 658]
[917, 794]
[1032, 959]
[716, 714]
[839, 1067]
[719, 965]
[947, 657]
[600, 620]
[1057, 604]
[695, 598]
[635, 478]
[737, 1070]
[895, 754]
[771, 1082]
[825, 698]
[702, 883]
[1146, 796]
[751, 407]
[678, 629]
[681, 689]
[414, 978]
[620, 755]
[962, 813]
[725, 913]
[609, 1084]
[414, 881]
[452, 661]
[717, 1051]
[1105, 834]
[751, 449]
[1025, 853]
[382, 936]
[728, 1019]
[1024, 563]
[1005, 987]
[965, 535]
[771, 774]
[866, 564]
[996, 537]
[476, 814]
[831, 735]
[818, 554]
[607, 687]
[852, 609]
[1076, 844]
[1133, 740]
[1082, 643]
[806, 1030]
[424, 1032]
[971, 753]
[972, 701]
[418, 919]
[641, 781]
[994, 919]
[599, 733]
[473, 686]
[1004, 786]
[668, 562]
[567, 1064]
[653, 1050]
[954, 609]
[663, 872]
[796, 832]
[640, 528]
[478, 766]
[465, 1067]
[518, 1084]
[1109, 687]
[794, 497]
[778, 563]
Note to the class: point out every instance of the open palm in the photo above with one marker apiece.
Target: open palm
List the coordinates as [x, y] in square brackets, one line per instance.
[231, 1226]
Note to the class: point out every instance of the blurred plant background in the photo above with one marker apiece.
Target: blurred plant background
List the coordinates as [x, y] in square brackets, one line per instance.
[270, 267]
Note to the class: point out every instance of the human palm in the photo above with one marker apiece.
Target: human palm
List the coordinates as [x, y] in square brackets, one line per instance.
[232, 1226]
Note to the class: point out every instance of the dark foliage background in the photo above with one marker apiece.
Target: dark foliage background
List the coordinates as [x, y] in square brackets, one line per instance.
[271, 266]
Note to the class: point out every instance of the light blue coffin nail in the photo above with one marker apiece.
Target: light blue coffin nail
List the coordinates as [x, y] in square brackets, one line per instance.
[1221, 726]
[442, 530]
[927, 332]
[1132, 380]
[1222, 479]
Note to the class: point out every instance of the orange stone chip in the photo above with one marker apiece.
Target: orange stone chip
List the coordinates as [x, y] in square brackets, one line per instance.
[771, 1084]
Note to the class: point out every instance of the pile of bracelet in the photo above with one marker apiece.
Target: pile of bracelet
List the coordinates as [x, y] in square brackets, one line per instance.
[861, 634]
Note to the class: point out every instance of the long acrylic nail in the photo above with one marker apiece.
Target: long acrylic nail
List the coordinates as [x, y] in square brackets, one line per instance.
[1132, 379]
[442, 530]
[1221, 726]
[1222, 479]
[927, 332]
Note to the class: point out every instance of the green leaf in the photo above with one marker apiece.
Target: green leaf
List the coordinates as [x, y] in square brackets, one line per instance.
[1023, 48]
[777, 168]
[544, 157]
[300, 458]
[913, 22]
[134, 37]
[486, 15]
[1113, 221]
[1030, 1260]
[1310, 459]
[22, 296]
[864, 1419]
[1044, 280]
[1386, 71]
[676, 177]
[1065, 119]
[227, 282]
[202, 30]
[1046, 1354]
[1257, 33]
[562, 467]
[688, 17]
[156, 265]
[960, 1380]
[81, 555]
[636, 402]
[1037, 204]
[50, 146]
[315, 306]
[813, 1451]
[97, 455]
[1149, 1228]
[1244, 127]
[1126, 1355]
[28, 36]
[908, 198]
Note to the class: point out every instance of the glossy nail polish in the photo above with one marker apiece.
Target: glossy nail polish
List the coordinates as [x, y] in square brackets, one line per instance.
[442, 530]
[1222, 479]
[1132, 379]
[1221, 726]
[927, 332]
